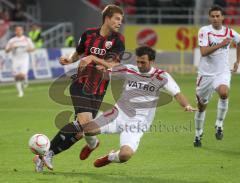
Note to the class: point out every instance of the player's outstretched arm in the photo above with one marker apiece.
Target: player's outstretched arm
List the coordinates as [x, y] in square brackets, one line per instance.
[207, 50]
[182, 100]
[63, 60]
[91, 58]
[102, 65]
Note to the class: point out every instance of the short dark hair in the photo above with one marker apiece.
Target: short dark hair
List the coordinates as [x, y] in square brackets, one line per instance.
[216, 7]
[146, 50]
[109, 10]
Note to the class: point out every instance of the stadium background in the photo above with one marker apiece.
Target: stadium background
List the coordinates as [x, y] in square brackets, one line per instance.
[166, 154]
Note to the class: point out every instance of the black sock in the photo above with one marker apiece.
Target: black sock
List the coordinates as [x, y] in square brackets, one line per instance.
[65, 138]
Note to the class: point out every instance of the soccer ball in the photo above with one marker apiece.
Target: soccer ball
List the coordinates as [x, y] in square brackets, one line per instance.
[39, 144]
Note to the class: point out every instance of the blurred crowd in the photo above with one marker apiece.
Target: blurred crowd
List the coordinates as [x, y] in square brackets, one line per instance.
[16, 14]
[139, 7]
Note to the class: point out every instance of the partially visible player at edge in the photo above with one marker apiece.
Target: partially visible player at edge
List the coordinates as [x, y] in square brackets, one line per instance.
[104, 43]
[20, 46]
[214, 71]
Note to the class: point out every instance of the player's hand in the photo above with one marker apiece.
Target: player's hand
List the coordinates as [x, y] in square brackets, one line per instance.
[235, 67]
[64, 60]
[226, 42]
[189, 108]
[30, 50]
[12, 47]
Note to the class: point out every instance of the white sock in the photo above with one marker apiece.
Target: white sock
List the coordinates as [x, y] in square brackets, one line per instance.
[222, 109]
[19, 88]
[199, 122]
[91, 141]
[25, 82]
[26, 79]
[114, 157]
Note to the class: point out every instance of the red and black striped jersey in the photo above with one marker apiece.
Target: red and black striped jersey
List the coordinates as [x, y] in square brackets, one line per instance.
[92, 43]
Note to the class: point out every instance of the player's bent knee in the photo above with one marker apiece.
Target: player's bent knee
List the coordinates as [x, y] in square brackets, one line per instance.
[123, 157]
[84, 117]
[92, 133]
[125, 154]
[79, 136]
[19, 77]
[91, 129]
[201, 107]
[223, 91]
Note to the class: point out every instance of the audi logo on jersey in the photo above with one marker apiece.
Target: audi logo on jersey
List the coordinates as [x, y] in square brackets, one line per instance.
[97, 51]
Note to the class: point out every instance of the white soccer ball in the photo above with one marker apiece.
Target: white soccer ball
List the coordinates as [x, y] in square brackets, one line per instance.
[39, 144]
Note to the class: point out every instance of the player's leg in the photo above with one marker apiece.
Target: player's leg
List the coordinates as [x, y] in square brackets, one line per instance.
[21, 69]
[66, 137]
[105, 123]
[222, 85]
[19, 78]
[39, 164]
[91, 127]
[125, 153]
[63, 140]
[129, 143]
[204, 92]
[72, 132]
[25, 69]
[91, 106]
[92, 141]
[25, 81]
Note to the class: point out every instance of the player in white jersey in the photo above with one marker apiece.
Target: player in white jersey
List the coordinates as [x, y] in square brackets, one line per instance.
[20, 46]
[214, 71]
[135, 109]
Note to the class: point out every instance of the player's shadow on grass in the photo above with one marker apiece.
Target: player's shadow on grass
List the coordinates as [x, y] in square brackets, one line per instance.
[101, 177]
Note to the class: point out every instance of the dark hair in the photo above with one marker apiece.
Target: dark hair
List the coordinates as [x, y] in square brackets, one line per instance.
[215, 7]
[146, 50]
[109, 10]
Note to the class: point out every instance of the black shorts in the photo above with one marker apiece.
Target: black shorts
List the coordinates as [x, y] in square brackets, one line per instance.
[84, 102]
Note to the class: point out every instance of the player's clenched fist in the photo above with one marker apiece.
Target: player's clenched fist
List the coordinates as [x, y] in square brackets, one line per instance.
[64, 60]
[189, 108]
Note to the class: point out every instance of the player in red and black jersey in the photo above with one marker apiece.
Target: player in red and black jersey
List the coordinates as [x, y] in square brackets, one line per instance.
[105, 46]
[88, 89]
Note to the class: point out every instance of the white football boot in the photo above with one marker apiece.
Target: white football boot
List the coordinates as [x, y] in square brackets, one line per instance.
[39, 164]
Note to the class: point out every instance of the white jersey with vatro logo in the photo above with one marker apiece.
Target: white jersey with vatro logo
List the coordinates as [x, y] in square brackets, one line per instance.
[21, 45]
[217, 62]
[141, 91]
[135, 109]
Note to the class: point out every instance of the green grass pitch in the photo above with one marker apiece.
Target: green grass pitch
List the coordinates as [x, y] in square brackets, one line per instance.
[165, 155]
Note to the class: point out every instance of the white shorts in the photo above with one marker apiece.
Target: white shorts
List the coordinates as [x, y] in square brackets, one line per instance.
[130, 129]
[206, 85]
[20, 67]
